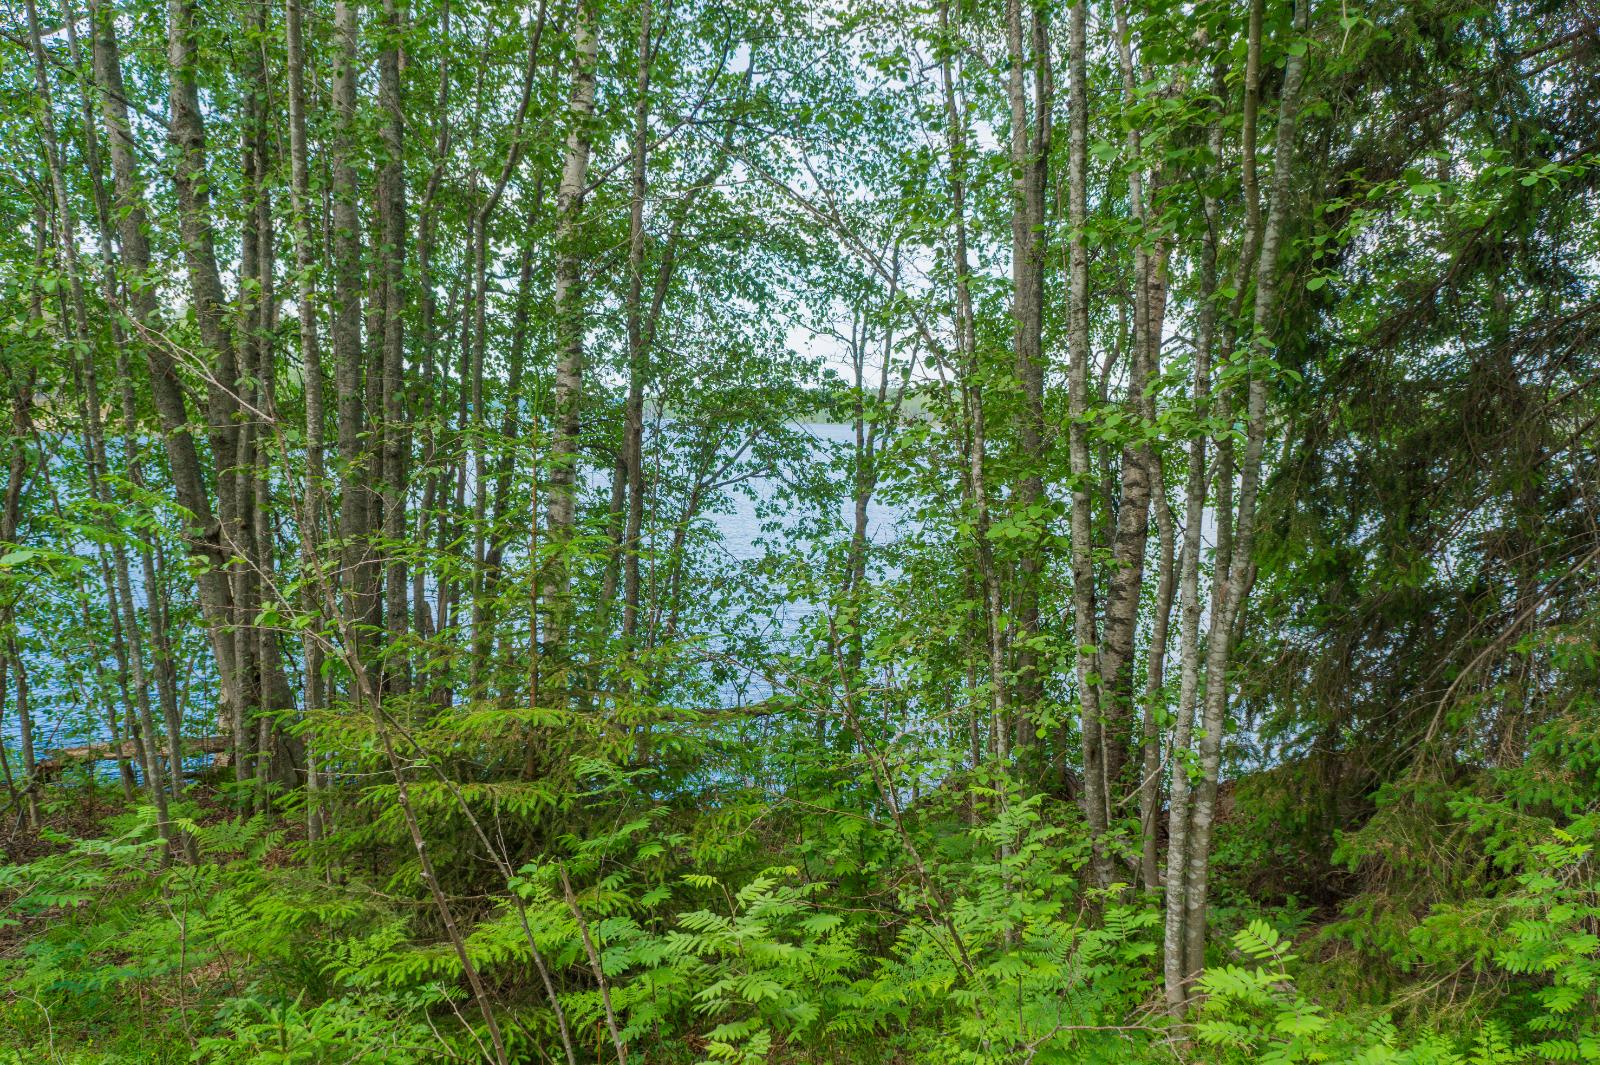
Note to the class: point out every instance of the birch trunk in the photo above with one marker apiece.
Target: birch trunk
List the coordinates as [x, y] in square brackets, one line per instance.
[1030, 149]
[1132, 512]
[1174, 962]
[631, 466]
[311, 505]
[1232, 585]
[1096, 804]
[966, 357]
[562, 489]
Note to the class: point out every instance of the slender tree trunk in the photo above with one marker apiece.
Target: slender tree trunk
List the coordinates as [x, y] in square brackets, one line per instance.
[421, 612]
[147, 725]
[1174, 970]
[1232, 581]
[311, 504]
[1166, 586]
[155, 616]
[75, 323]
[30, 762]
[450, 529]
[486, 542]
[186, 130]
[1174, 961]
[865, 459]
[16, 796]
[279, 753]
[236, 486]
[631, 459]
[119, 597]
[1132, 522]
[165, 685]
[511, 421]
[1096, 803]
[639, 374]
[1155, 684]
[967, 358]
[349, 368]
[562, 488]
[102, 204]
[396, 437]
[203, 534]
[10, 522]
[127, 638]
[1030, 150]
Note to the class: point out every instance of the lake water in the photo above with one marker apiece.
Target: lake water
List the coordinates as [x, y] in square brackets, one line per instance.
[746, 526]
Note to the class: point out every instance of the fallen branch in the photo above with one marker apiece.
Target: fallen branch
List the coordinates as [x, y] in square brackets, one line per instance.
[99, 752]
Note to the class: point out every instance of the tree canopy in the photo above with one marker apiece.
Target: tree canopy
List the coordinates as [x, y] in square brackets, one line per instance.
[967, 531]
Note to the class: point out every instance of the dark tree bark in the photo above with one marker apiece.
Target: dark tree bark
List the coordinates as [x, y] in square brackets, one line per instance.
[355, 571]
[396, 436]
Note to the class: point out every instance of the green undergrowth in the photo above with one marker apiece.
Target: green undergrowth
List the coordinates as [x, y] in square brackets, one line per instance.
[795, 934]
